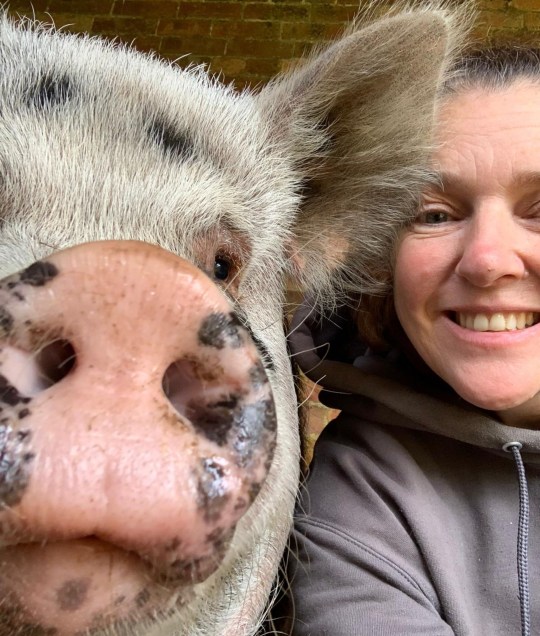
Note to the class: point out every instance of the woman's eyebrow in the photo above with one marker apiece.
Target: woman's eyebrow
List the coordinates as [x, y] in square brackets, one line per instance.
[527, 178]
[446, 181]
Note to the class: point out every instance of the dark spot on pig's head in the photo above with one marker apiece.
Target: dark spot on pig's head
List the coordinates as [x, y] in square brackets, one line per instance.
[172, 142]
[6, 321]
[23, 413]
[212, 490]
[38, 273]
[221, 330]
[213, 420]
[15, 462]
[50, 91]
[72, 594]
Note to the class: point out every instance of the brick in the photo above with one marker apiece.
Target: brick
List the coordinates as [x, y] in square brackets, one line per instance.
[195, 45]
[27, 7]
[313, 32]
[255, 48]
[326, 13]
[230, 66]
[302, 49]
[292, 12]
[146, 8]
[184, 27]
[125, 26]
[501, 20]
[93, 7]
[259, 30]
[147, 44]
[210, 9]
[263, 67]
[258, 11]
[289, 11]
[74, 23]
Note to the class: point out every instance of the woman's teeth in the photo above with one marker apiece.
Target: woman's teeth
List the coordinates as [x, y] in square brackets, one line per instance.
[508, 321]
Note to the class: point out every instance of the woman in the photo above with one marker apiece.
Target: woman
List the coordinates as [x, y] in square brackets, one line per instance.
[409, 521]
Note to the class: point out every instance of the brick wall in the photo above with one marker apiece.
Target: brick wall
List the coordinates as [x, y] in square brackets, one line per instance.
[247, 41]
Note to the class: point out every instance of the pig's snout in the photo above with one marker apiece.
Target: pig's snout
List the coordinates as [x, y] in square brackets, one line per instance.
[134, 414]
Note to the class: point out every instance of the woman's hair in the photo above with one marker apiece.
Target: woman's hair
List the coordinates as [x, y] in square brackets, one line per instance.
[488, 67]
[494, 67]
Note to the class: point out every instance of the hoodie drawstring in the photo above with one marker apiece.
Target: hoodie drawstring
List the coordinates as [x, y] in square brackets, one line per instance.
[523, 539]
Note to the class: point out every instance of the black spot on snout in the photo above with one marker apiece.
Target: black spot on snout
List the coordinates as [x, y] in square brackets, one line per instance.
[254, 430]
[215, 419]
[171, 141]
[38, 273]
[50, 91]
[15, 460]
[257, 376]
[9, 394]
[221, 330]
[212, 490]
[6, 321]
[72, 594]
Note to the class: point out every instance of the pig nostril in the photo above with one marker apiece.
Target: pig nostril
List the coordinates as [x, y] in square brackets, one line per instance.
[181, 382]
[55, 361]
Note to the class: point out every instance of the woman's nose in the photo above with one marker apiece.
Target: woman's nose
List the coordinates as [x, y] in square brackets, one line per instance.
[491, 250]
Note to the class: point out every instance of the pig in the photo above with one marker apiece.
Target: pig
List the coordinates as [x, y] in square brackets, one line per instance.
[150, 221]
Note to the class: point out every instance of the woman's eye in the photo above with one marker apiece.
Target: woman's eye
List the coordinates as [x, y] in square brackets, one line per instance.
[433, 217]
[222, 267]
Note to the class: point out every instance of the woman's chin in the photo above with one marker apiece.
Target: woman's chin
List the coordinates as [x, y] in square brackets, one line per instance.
[512, 405]
[65, 588]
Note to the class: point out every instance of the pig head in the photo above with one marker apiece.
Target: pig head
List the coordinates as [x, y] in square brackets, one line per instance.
[149, 216]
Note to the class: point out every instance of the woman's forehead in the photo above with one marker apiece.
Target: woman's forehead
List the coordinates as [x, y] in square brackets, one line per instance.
[480, 109]
[489, 134]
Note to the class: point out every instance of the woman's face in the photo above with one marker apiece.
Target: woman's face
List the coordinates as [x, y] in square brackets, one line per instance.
[467, 278]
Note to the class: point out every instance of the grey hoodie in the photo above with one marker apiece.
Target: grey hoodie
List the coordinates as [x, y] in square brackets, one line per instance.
[408, 522]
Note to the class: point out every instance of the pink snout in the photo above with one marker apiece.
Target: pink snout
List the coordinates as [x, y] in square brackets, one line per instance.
[135, 416]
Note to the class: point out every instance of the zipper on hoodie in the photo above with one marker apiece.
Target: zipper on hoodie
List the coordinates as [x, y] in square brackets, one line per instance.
[523, 538]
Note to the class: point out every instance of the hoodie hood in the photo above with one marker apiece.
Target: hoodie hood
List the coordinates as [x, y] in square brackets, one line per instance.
[390, 389]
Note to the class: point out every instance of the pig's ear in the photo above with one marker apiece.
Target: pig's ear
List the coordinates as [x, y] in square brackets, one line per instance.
[357, 120]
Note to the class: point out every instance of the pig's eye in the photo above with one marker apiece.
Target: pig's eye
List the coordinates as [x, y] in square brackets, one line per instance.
[222, 267]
